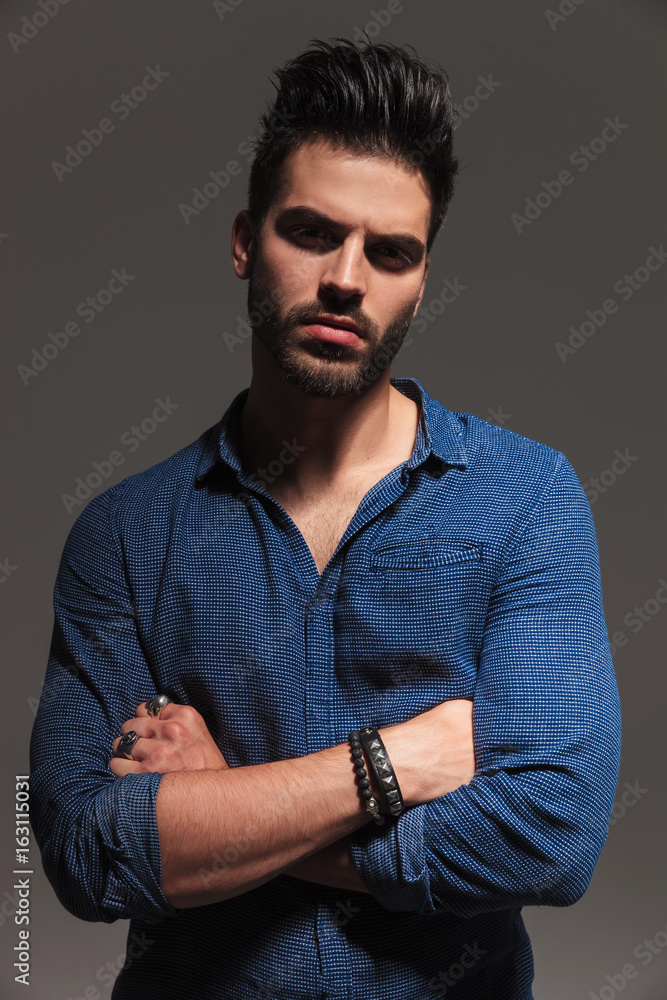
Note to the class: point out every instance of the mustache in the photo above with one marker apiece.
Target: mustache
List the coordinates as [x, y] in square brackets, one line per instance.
[304, 313]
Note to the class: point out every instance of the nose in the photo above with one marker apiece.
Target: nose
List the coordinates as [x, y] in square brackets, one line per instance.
[344, 269]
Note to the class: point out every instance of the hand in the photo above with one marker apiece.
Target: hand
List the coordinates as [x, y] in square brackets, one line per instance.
[176, 740]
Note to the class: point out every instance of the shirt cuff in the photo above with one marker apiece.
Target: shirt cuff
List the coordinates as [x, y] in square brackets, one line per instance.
[391, 863]
[133, 886]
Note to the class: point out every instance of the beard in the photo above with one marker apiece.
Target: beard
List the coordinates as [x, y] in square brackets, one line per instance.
[316, 367]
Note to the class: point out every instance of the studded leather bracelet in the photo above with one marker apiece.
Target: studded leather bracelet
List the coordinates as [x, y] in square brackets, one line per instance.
[370, 741]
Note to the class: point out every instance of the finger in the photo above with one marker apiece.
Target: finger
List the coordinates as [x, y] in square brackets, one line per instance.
[168, 710]
[136, 749]
[144, 727]
[116, 752]
[119, 766]
[142, 710]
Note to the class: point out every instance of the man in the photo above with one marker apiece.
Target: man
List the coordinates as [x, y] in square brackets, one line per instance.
[339, 551]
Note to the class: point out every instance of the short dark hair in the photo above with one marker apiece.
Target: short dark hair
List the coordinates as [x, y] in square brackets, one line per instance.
[374, 100]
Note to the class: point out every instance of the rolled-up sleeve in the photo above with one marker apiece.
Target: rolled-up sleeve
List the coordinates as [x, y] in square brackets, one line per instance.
[97, 833]
[530, 826]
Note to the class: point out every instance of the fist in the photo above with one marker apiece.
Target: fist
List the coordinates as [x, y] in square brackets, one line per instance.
[176, 740]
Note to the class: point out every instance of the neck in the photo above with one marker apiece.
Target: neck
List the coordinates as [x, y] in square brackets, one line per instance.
[334, 439]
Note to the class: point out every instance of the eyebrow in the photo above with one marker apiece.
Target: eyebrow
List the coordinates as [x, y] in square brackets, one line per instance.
[306, 214]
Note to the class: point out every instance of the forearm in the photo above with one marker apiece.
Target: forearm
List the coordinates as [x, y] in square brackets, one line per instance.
[225, 832]
[332, 865]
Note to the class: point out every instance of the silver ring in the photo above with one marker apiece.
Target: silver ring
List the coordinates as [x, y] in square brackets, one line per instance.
[155, 704]
[126, 743]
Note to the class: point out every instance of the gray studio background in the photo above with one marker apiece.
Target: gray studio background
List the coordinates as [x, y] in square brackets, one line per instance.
[551, 82]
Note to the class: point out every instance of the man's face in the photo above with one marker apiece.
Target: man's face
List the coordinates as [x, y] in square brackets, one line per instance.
[344, 238]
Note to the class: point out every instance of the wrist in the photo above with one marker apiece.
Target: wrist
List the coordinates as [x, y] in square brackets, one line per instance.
[409, 774]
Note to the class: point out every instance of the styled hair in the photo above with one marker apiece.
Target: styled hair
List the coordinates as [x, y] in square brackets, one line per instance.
[375, 100]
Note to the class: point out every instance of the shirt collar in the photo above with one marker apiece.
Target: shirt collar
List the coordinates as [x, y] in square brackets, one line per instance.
[439, 433]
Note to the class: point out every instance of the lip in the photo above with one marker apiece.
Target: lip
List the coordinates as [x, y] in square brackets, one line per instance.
[332, 334]
[336, 322]
[334, 330]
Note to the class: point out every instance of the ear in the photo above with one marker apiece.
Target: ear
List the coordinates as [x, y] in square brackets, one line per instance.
[421, 290]
[243, 234]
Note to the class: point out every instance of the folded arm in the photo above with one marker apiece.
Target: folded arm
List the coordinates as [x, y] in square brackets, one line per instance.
[142, 843]
[529, 827]
[96, 833]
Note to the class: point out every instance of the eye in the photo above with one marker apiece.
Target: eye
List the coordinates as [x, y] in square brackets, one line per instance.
[313, 234]
[391, 255]
[400, 258]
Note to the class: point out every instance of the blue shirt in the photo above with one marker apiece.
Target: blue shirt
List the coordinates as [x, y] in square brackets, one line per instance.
[471, 571]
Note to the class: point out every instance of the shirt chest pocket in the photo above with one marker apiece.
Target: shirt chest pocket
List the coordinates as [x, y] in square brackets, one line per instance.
[424, 554]
[417, 613]
[429, 591]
